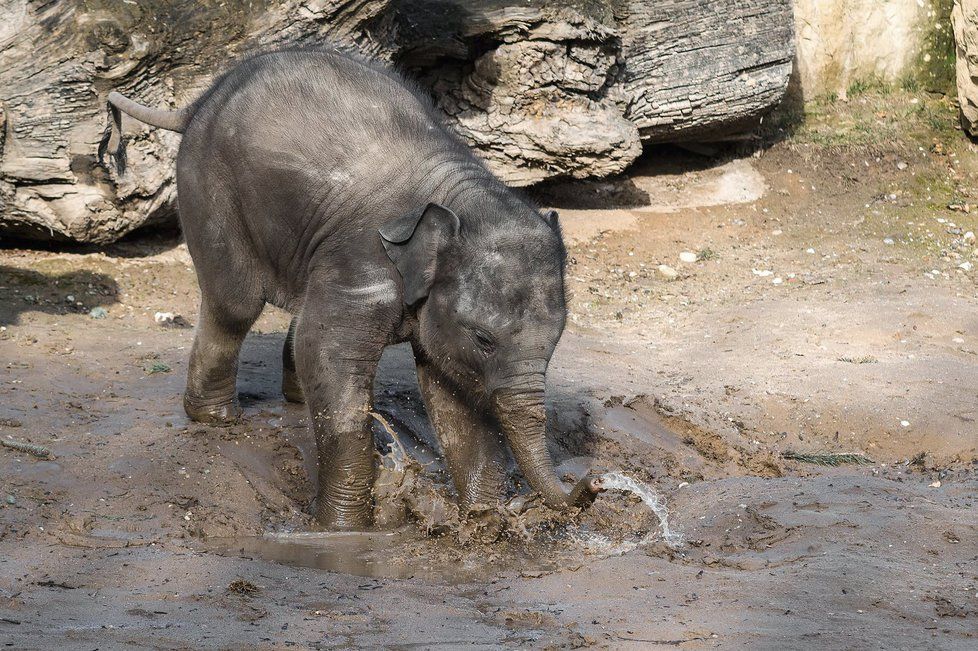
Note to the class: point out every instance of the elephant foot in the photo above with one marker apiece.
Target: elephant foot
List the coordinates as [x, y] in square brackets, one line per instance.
[291, 388]
[329, 522]
[482, 500]
[224, 412]
[332, 518]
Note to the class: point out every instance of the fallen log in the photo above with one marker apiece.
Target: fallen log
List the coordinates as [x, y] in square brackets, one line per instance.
[540, 88]
[705, 70]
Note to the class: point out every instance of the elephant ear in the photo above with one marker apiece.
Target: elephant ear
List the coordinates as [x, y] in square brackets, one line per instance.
[552, 219]
[413, 243]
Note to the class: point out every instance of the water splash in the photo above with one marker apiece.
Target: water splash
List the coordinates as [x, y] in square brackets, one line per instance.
[625, 484]
[396, 454]
[648, 495]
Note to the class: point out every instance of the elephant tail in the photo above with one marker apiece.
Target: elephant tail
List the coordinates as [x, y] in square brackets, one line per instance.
[113, 141]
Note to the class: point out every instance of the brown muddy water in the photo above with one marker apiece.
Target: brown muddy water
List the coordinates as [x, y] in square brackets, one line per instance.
[402, 554]
[406, 553]
[138, 529]
[384, 555]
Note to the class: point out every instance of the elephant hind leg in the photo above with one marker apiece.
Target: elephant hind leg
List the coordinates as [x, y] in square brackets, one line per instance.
[291, 388]
[211, 395]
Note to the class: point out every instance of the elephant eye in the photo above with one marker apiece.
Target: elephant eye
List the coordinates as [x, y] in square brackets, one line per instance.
[485, 341]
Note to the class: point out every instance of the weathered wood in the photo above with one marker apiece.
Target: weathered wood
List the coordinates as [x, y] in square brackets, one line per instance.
[58, 62]
[704, 69]
[540, 88]
[532, 86]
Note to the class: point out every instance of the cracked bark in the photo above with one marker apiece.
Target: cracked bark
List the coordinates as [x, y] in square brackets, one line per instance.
[705, 70]
[539, 88]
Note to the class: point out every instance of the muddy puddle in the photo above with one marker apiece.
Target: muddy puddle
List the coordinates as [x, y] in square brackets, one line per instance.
[402, 554]
[407, 553]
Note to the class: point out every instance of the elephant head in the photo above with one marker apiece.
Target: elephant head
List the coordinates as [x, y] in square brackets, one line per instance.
[488, 293]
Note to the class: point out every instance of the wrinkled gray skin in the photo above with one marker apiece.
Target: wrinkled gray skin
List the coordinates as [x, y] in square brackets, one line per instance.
[326, 186]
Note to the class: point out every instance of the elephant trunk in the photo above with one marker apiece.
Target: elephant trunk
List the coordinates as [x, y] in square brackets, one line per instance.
[522, 415]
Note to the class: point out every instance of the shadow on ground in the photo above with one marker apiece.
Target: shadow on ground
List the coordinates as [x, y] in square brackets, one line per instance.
[621, 191]
[25, 290]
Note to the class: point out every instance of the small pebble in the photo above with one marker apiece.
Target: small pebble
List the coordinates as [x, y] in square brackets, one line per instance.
[668, 271]
[935, 484]
[687, 256]
[905, 423]
[887, 240]
[98, 313]
[11, 499]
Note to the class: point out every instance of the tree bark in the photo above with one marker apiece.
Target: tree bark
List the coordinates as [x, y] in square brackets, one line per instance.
[539, 88]
[58, 62]
[701, 70]
[533, 86]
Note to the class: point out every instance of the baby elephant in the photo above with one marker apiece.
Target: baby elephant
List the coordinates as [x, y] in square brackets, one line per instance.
[326, 185]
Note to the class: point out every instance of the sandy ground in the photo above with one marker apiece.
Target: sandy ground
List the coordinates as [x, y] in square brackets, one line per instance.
[831, 309]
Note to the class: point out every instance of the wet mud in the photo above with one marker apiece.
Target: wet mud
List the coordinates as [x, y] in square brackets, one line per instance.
[142, 529]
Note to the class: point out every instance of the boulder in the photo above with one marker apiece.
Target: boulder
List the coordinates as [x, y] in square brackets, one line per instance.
[532, 87]
[846, 42]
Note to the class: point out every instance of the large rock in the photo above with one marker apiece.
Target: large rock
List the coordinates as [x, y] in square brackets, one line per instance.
[533, 87]
[540, 88]
[847, 42]
[964, 16]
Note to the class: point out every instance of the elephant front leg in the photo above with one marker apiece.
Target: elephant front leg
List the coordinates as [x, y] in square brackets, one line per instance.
[473, 445]
[336, 358]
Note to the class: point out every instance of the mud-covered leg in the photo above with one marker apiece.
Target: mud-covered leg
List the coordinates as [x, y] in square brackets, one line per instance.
[291, 388]
[211, 395]
[338, 344]
[473, 446]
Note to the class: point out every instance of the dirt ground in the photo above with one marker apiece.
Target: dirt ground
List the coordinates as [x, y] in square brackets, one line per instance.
[829, 307]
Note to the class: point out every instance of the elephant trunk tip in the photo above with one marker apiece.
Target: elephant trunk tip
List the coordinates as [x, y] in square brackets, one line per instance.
[585, 491]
